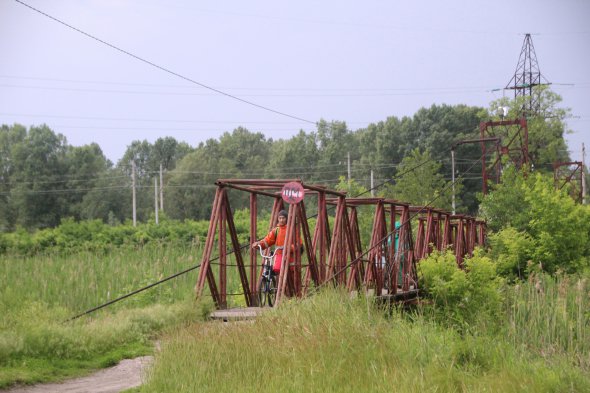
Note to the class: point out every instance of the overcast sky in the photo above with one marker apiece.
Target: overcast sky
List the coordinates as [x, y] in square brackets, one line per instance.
[353, 61]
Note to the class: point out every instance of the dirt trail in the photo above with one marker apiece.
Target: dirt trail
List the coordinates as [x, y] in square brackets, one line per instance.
[125, 375]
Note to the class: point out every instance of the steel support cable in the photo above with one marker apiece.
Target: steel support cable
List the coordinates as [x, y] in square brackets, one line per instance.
[163, 68]
[380, 243]
[133, 293]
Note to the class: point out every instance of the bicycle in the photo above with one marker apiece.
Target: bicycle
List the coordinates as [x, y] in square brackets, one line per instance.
[268, 280]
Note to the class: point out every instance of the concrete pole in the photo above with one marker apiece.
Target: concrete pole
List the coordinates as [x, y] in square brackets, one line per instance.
[372, 185]
[453, 177]
[583, 175]
[156, 198]
[349, 174]
[161, 189]
[134, 197]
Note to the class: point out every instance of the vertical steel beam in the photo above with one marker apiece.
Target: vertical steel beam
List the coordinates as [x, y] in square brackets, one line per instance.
[238, 252]
[205, 269]
[336, 244]
[222, 243]
[312, 264]
[460, 242]
[289, 240]
[253, 237]
[447, 235]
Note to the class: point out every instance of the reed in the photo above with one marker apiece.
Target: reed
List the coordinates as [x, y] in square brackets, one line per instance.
[551, 315]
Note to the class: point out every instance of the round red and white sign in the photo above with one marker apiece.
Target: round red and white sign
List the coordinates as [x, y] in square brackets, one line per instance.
[293, 192]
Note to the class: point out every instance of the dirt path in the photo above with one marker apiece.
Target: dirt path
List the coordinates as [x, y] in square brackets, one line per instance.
[125, 375]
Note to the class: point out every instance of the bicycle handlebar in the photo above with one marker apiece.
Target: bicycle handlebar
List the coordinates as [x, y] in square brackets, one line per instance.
[266, 256]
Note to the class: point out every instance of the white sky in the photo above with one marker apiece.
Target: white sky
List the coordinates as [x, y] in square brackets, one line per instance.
[353, 61]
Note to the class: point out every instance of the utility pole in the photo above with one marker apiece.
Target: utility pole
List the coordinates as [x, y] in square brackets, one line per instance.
[156, 198]
[161, 190]
[134, 198]
[453, 175]
[372, 185]
[349, 174]
[583, 175]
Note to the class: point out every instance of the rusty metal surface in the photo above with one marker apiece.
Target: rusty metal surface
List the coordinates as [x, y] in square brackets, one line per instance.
[333, 255]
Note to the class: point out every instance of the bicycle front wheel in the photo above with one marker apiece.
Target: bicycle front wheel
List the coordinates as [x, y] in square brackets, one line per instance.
[272, 291]
[262, 293]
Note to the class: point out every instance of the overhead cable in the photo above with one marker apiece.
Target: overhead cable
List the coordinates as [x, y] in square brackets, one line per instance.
[163, 68]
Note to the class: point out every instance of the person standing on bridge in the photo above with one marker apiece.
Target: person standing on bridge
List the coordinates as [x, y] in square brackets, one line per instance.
[277, 237]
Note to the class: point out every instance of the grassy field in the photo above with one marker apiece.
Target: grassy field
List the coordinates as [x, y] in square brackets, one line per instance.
[37, 294]
[326, 343]
[330, 343]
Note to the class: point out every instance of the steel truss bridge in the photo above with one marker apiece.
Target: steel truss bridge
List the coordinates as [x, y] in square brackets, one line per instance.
[333, 254]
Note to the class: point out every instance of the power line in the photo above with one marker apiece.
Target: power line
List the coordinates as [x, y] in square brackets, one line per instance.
[400, 92]
[300, 89]
[11, 183]
[167, 121]
[163, 68]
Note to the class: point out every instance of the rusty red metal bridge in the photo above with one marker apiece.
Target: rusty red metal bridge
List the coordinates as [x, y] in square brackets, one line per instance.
[333, 254]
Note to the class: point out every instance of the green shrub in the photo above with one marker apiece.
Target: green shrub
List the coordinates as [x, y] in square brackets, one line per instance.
[462, 298]
[557, 228]
[511, 250]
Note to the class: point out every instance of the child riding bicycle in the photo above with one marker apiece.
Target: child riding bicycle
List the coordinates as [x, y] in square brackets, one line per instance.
[277, 237]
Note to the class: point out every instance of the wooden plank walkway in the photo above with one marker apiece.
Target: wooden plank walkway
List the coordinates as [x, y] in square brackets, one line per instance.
[238, 314]
[248, 313]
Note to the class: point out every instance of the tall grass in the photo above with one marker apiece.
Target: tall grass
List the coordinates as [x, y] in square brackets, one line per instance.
[38, 293]
[85, 279]
[551, 315]
[329, 343]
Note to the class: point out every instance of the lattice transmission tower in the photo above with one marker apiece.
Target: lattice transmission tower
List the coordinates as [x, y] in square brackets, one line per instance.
[527, 77]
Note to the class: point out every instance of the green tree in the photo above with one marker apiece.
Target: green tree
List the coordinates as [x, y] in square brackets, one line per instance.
[191, 187]
[167, 152]
[335, 143]
[295, 157]
[40, 167]
[10, 136]
[383, 145]
[546, 130]
[420, 182]
[555, 231]
[85, 166]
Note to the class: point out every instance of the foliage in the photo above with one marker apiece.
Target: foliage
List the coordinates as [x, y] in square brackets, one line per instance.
[44, 180]
[546, 130]
[506, 204]
[95, 235]
[462, 298]
[420, 182]
[512, 251]
[555, 232]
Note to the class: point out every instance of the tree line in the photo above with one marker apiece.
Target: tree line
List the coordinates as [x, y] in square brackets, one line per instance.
[44, 180]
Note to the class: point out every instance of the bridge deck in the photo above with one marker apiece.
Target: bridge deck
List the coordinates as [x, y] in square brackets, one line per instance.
[244, 313]
[236, 314]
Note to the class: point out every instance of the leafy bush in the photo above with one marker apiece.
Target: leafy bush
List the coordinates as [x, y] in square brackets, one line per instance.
[94, 235]
[462, 298]
[511, 250]
[549, 227]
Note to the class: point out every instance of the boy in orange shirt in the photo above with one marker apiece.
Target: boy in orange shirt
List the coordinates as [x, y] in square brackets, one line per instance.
[277, 237]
